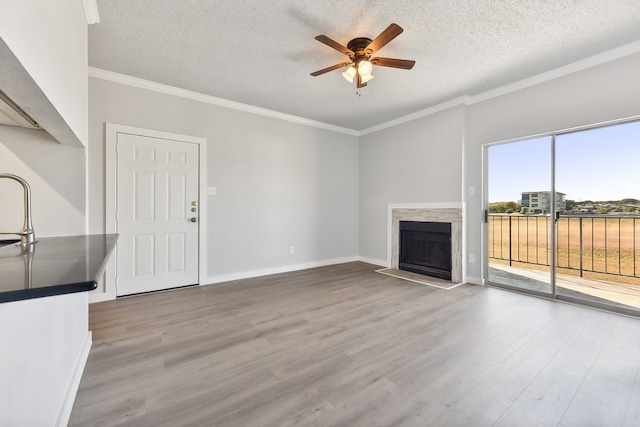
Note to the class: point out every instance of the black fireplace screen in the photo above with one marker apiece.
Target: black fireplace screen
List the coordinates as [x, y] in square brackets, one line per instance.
[425, 248]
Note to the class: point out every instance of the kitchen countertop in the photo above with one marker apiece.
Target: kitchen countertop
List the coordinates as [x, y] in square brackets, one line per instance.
[53, 266]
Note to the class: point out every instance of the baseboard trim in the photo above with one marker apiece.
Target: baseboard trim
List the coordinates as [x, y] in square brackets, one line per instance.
[277, 270]
[374, 261]
[100, 297]
[473, 280]
[74, 384]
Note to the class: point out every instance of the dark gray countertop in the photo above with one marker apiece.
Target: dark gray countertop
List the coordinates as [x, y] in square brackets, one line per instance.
[53, 266]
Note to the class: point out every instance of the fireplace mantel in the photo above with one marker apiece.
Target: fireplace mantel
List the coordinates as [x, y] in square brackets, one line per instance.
[451, 213]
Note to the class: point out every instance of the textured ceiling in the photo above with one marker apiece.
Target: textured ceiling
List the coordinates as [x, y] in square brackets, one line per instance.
[261, 52]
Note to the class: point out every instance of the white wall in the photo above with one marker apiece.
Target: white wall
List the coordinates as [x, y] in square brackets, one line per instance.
[594, 95]
[599, 94]
[56, 175]
[279, 184]
[416, 162]
[43, 62]
[271, 173]
[49, 39]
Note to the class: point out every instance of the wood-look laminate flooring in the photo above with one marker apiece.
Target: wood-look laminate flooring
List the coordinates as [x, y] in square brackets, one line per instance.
[344, 346]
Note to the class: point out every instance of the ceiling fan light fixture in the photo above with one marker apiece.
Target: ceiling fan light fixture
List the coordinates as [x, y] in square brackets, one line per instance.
[366, 78]
[349, 74]
[365, 67]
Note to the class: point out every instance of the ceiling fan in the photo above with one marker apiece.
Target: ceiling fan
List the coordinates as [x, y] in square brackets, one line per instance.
[359, 51]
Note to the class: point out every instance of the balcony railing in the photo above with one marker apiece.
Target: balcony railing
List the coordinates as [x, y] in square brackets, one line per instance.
[585, 243]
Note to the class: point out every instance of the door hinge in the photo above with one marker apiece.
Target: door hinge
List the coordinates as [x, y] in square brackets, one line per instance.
[486, 216]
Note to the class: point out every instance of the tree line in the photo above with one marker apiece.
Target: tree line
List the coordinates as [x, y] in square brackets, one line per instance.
[598, 207]
[504, 207]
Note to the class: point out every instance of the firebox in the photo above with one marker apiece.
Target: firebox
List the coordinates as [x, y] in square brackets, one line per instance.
[425, 248]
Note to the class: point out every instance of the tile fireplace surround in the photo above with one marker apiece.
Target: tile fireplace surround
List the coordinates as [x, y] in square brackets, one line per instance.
[453, 215]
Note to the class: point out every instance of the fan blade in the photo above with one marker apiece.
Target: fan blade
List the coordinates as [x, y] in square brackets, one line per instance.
[335, 45]
[404, 64]
[333, 67]
[390, 33]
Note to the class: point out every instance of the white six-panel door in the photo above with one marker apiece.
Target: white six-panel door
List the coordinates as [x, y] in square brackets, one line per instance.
[157, 213]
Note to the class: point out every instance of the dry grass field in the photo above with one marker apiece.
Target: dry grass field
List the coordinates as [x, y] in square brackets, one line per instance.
[602, 248]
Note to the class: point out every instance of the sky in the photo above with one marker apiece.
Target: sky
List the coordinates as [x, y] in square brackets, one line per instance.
[597, 164]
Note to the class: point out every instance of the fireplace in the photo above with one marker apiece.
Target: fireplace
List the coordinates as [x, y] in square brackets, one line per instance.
[450, 214]
[425, 248]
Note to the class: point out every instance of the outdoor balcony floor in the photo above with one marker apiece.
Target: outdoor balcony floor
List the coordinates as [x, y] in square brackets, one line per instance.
[598, 291]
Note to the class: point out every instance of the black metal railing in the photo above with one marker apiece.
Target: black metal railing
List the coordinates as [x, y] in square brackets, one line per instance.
[605, 244]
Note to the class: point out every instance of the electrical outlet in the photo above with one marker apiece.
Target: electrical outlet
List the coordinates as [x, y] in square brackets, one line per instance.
[472, 259]
[292, 250]
[211, 191]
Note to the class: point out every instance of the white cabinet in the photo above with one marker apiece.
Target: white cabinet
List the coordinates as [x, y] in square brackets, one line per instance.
[45, 345]
[43, 64]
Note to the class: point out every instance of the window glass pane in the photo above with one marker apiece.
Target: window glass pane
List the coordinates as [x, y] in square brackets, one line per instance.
[599, 234]
[519, 243]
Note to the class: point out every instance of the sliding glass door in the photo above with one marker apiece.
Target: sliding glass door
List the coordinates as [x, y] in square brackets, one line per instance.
[563, 216]
[598, 236]
[519, 215]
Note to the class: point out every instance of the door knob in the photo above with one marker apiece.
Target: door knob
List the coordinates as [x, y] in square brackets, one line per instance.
[193, 219]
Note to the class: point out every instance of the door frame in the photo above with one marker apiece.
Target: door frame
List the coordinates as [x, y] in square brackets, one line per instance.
[484, 270]
[111, 134]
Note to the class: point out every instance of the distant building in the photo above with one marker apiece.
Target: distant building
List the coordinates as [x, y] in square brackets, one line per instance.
[540, 201]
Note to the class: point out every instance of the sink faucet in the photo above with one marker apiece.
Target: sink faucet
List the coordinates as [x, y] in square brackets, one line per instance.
[27, 235]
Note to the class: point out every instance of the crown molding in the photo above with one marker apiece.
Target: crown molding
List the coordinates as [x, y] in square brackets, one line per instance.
[592, 61]
[584, 64]
[208, 99]
[461, 100]
[603, 58]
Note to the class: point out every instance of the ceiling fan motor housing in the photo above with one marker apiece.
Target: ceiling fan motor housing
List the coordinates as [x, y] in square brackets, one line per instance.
[359, 47]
